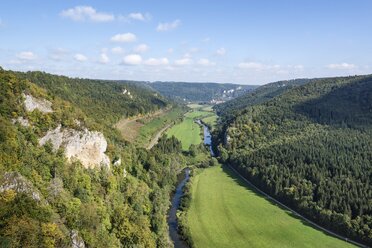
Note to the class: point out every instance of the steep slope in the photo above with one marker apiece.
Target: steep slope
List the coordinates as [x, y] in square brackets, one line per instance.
[259, 95]
[105, 101]
[66, 177]
[310, 147]
[200, 92]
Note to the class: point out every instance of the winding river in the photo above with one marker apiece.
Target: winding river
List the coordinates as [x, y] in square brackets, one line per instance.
[172, 217]
[176, 200]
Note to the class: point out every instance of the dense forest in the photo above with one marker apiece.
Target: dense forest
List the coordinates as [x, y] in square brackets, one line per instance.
[105, 101]
[310, 147]
[259, 95]
[47, 200]
[200, 92]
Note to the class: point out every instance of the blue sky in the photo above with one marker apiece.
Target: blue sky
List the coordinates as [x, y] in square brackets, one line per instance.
[249, 42]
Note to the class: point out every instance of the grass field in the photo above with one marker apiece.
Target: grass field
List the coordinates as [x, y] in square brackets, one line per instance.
[150, 128]
[195, 106]
[188, 132]
[140, 130]
[224, 212]
[211, 120]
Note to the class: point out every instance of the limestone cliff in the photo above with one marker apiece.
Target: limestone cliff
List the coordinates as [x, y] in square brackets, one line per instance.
[86, 146]
[32, 103]
[16, 182]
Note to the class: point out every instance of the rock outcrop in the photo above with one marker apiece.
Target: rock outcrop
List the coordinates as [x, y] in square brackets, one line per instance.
[86, 146]
[16, 182]
[22, 121]
[76, 240]
[32, 103]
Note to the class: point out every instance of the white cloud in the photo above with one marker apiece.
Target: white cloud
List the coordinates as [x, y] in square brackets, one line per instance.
[298, 67]
[58, 54]
[221, 51]
[252, 65]
[156, 62]
[132, 59]
[342, 66]
[139, 16]
[183, 61]
[117, 50]
[104, 59]
[86, 13]
[206, 39]
[127, 37]
[205, 62]
[167, 26]
[187, 55]
[80, 57]
[135, 16]
[194, 50]
[27, 55]
[141, 48]
[170, 50]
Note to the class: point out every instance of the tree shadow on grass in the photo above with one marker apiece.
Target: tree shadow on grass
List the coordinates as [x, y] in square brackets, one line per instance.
[252, 188]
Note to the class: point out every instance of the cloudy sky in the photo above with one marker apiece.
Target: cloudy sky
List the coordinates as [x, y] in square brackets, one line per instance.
[235, 41]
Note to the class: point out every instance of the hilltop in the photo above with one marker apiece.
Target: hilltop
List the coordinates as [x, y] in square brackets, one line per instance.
[201, 92]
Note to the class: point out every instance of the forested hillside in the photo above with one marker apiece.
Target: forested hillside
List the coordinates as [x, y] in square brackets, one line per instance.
[50, 200]
[257, 96]
[200, 92]
[310, 147]
[105, 101]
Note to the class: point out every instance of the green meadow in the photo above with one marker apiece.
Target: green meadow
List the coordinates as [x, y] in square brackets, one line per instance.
[189, 132]
[225, 212]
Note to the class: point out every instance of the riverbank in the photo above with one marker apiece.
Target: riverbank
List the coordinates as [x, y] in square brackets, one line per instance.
[172, 216]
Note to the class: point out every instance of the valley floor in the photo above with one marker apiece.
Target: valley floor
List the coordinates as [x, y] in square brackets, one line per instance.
[225, 212]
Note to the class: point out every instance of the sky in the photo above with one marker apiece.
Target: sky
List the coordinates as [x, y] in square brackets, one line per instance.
[227, 41]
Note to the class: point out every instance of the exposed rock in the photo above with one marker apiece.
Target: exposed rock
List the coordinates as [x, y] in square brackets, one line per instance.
[76, 240]
[55, 187]
[32, 103]
[117, 162]
[18, 183]
[125, 173]
[22, 121]
[86, 146]
[127, 92]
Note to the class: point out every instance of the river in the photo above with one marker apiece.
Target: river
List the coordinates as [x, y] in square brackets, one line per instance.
[176, 200]
[172, 217]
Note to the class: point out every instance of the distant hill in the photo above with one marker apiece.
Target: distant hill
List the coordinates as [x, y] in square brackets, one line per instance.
[200, 92]
[257, 96]
[309, 146]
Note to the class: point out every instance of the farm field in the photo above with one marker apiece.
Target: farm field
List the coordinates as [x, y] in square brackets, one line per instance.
[142, 129]
[224, 212]
[189, 132]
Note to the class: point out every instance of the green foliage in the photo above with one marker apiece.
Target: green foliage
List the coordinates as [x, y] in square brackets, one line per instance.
[310, 148]
[259, 95]
[199, 92]
[107, 206]
[182, 218]
[101, 100]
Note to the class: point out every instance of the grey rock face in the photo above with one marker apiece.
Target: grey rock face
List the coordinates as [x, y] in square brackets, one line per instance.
[86, 146]
[32, 103]
[76, 240]
[18, 183]
[24, 122]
